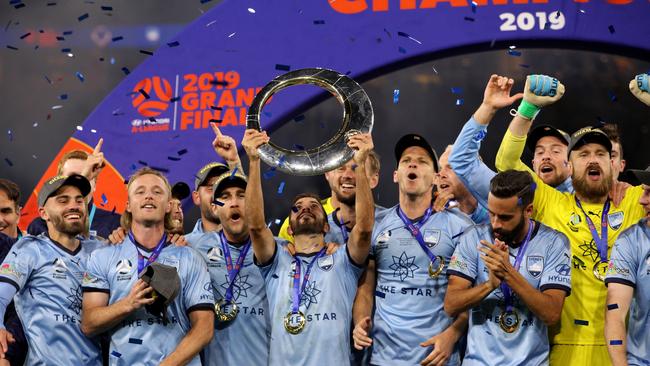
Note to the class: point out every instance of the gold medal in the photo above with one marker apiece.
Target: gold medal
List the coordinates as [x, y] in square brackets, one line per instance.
[435, 272]
[294, 323]
[600, 270]
[226, 311]
[509, 321]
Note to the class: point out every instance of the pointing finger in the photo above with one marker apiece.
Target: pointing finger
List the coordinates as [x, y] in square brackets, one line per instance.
[216, 130]
[98, 147]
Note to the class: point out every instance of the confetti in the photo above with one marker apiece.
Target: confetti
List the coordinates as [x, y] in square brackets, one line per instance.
[582, 11]
[112, 61]
[35, 124]
[107, 8]
[218, 203]
[162, 170]
[18, 6]
[459, 101]
[395, 96]
[401, 49]
[63, 96]
[299, 118]
[67, 33]
[126, 71]
[232, 174]
[388, 33]
[282, 67]
[144, 93]
[212, 22]
[474, 5]
[118, 38]
[278, 221]
[251, 10]
[93, 130]
[47, 79]
[175, 99]
[469, 19]
[135, 340]
[525, 66]
[434, 69]
[104, 199]
[455, 90]
[80, 76]
[319, 22]
[232, 34]
[26, 35]
[182, 152]
[82, 17]
[34, 157]
[612, 306]
[406, 35]
[611, 29]
[12, 48]
[512, 52]
[66, 50]
[149, 53]
[173, 158]
[54, 107]
[79, 128]
[51, 4]
[9, 162]
[60, 38]
[581, 322]
[173, 44]
[205, 1]
[612, 96]
[616, 342]
[10, 135]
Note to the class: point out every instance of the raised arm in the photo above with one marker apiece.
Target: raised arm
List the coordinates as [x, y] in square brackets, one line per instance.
[98, 316]
[198, 337]
[362, 307]
[359, 244]
[261, 236]
[464, 158]
[226, 147]
[640, 88]
[539, 91]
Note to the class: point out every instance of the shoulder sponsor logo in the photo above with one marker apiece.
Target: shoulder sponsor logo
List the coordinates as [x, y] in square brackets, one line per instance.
[613, 269]
[88, 279]
[454, 262]
[9, 269]
[215, 254]
[535, 265]
[563, 269]
[615, 220]
[431, 237]
[325, 263]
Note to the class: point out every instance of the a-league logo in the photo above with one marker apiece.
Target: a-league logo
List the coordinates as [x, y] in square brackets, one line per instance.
[151, 96]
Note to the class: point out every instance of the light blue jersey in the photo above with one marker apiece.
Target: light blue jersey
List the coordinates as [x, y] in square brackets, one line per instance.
[409, 304]
[47, 277]
[630, 265]
[336, 233]
[141, 338]
[244, 341]
[546, 265]
[326, 302]
[193, 237]
[471, 170]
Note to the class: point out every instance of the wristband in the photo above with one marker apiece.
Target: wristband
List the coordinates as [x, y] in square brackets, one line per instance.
[528, 110]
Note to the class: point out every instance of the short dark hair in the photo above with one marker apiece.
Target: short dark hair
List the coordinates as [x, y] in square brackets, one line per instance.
[310, 195]
[12, 190]
[614, 134]
[512, 183]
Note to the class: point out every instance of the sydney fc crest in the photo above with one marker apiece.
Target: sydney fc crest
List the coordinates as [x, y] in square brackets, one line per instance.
[535, 265]
[615, 220]
[431, 237]
[326, 263]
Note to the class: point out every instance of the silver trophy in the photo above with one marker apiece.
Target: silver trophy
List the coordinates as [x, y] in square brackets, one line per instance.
[357, 118]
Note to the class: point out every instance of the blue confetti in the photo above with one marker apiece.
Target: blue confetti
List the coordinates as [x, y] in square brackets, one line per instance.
[116, 354]
[612, 306]
[126, 71]
[457, 90]
[112, 61]
[218, 203]
[395, 96]
[107, 8]
[82, 17]
[182, 152]
[118, 38]
[319, 22]
[146, 52]
[144, 93]
[616, 342]
[51, 4]
[514, 53]
[9, 162]
[269, 173]
[80, 76]
[525, 66]
[173, 44]
[205, 1]
[25, 35]
[581, 322]
[469, 19]
[141, 162]
[66, 50]
[401, 49]
[63, 96]
[67, 33]
[474, 5]
[104, 199]
[135, 340]
[60, 38]
[611, 29]
[234, 171]
[173, 158]
[47, 79]
[18, 6]
[459, 101]
[282, 67]
[12, 48]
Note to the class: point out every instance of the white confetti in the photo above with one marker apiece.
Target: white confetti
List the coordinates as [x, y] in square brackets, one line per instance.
[79, 128]
[251, 10]
[232, 34]
[57, 106]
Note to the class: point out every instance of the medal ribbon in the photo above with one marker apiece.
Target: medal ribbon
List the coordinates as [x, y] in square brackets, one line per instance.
[344, 229]
[233, 271]
[154, 254]
[507, 296]
[601, 241]
[414, 228]
[297, 289]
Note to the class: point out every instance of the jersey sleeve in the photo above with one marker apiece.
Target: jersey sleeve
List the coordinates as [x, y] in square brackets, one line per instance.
[284, 230]
[20, 262]
[630, 204]
[466, 162]
[197, 289]
[96, 277]
[509, 154]
[624, 261]
[556, 273]
[464, 261]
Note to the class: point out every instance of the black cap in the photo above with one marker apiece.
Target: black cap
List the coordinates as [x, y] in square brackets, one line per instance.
[543, 131]
[51, 186]
[165, 283]
[588, 135]
[180, 191]
[227, 180]
[635, 176]
[413, 139]
[210, 169]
